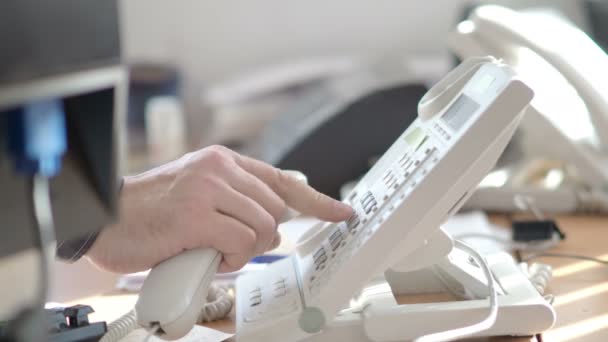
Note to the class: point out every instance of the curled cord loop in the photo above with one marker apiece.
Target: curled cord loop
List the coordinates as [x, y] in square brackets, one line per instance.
[121, 327]
[219, 304]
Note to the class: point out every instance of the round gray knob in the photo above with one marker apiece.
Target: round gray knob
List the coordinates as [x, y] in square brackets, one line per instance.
[311, 320]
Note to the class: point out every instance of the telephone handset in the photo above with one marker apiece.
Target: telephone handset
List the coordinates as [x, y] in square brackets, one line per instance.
[463, 126]
[174, 292]
[567, 48]
[544, 48]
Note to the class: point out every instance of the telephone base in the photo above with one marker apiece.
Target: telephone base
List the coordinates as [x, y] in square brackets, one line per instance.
[377, 316]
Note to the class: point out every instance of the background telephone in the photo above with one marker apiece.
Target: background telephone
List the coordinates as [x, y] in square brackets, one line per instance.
[558, 157]
[464, 124]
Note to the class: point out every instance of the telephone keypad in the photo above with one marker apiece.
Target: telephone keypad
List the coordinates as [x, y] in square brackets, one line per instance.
[343, 242]
[368, 202]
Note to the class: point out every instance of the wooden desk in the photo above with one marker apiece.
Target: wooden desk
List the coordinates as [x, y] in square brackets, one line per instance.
[580, 287]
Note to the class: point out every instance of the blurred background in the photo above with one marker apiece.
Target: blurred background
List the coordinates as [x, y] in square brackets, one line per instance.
[205, 72]
[323, 87]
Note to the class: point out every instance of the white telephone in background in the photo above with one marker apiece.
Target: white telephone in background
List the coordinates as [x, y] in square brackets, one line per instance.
[561, 148]
[464, 124]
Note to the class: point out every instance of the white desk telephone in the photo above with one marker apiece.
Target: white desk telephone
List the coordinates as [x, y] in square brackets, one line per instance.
[464, 124]
[567, 70]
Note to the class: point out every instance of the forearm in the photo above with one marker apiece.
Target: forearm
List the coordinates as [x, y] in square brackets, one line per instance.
[211, 198]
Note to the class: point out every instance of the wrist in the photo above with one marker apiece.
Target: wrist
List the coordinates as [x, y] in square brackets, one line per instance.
[140, 213]
[73, 249]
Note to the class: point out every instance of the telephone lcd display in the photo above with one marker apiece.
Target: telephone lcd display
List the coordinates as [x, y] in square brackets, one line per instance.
[460, 111]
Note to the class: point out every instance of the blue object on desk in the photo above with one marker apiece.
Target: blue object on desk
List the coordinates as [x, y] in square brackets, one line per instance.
[267, 258]
[37, 137]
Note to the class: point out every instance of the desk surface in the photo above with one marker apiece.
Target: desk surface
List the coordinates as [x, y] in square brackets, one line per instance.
[580, 287]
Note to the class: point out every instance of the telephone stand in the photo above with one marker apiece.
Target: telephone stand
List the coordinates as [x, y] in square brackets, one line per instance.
[436, 267]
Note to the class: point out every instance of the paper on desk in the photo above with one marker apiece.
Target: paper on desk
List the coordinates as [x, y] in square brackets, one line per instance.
[476, 222]
[197, 334]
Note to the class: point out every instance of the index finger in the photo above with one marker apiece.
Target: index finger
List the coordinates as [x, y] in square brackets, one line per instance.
[297, 195]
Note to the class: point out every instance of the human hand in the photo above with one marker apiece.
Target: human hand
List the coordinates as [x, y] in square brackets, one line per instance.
[214, 198]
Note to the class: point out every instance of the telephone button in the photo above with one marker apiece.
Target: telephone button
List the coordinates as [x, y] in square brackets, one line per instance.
[407, 165]
[320, 252]
[335, 239]
[257, 291]
[255, 301]
[280, 292]
[404, 159]
[368, 197]
[387, 176]
[353, 222]
[319, 258]
[252, 317]
[369, 204]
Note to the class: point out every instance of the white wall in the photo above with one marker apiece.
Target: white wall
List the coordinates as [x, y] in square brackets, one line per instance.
[216, 39]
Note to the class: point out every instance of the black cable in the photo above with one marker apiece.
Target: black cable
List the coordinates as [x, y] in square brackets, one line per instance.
[517, 252]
